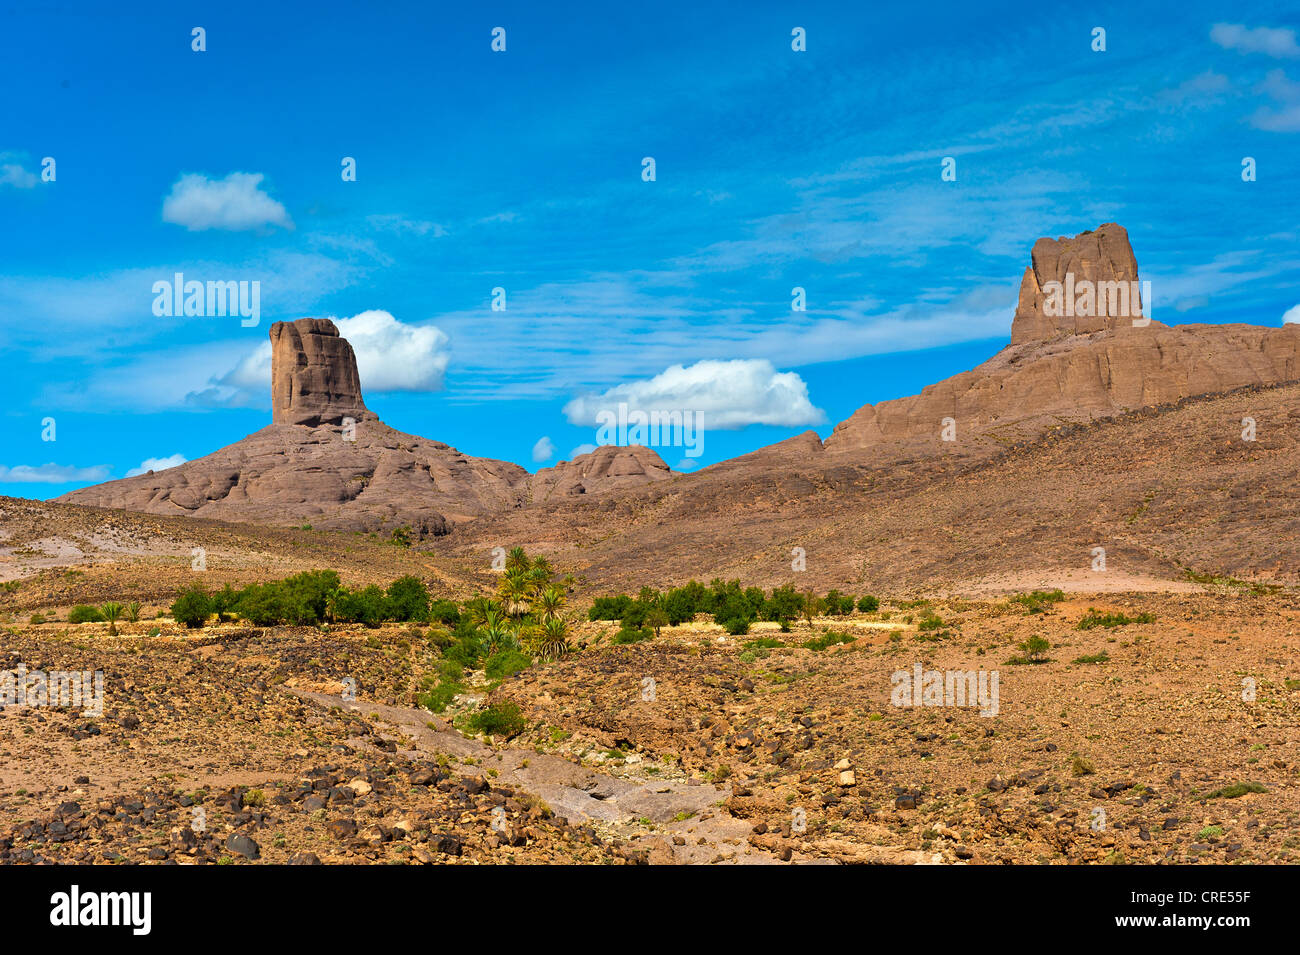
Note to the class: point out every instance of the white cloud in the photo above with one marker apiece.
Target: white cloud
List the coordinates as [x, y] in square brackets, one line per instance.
[52, 474]
[157, 464]
[1272, 41]
[543, 450]
[580, 450]
[391, 356]
[1291, 315]
[686, 464]
[236, 203]
[13, 174]
[726, 395]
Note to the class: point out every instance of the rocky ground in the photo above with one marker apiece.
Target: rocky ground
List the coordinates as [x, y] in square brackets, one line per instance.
[1138, 742]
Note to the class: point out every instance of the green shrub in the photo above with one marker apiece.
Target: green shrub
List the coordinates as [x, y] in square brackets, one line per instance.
[838, 604]
[631, 635]
[1236, 791]
[1038, 601]
[1095, 618]
[192, 607]
[868, 603]
[506, 663]
[1102, 657]
[500, 719]
[223, 603]
[784, 605]
[439, 696]
[1035, 650]
[408, 599]
[736, 626]
[443, 611]
[300, 600]
[828, 639]
[82, 613]
[610, 608]
[366, 606]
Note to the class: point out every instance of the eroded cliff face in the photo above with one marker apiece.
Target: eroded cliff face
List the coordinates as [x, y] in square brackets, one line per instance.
[1071, 367]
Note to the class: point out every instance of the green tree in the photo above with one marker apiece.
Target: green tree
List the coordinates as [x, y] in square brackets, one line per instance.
[408, 599]
[192, 607]
[657, 619]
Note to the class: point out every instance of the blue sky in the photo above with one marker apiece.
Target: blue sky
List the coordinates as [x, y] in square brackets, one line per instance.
[522, 170]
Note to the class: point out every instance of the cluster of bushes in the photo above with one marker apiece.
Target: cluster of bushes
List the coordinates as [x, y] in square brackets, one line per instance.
[733, 607]
[311, 598]
[1095, 618]
[503, 636]
[109, 613]
[1039, 601]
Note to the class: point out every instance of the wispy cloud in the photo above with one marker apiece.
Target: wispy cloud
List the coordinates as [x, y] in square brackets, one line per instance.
[13, 171]
[52, 474]
[1271, 41]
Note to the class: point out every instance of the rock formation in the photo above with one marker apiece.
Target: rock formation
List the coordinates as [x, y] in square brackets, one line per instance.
[1096, 260]
[314, 377]
[610, 466]
[329, 461]
[1075, 367]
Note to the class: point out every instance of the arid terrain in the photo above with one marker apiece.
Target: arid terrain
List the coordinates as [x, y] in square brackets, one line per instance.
[754, 748]
[335, 642]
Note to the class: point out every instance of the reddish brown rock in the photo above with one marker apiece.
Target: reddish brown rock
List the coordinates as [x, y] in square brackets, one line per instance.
[314, 378]
[1101, 260]
[610, 466]
[1074, 368]
[328, 461]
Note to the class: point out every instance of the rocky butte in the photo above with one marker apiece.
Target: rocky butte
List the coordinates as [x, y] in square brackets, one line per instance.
[327, 460]
[1078, 352]
[1072, 367]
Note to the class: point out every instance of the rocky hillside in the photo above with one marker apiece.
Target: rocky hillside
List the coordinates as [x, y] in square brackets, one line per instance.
[329, 461]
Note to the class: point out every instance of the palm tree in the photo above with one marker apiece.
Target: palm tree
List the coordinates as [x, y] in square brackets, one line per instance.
[133, 611]
[554, 640]
[538, 580]
[550, 601]
[516, 560]
[496, 638]
[515, 591]
[111, 612]
[480, 609]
